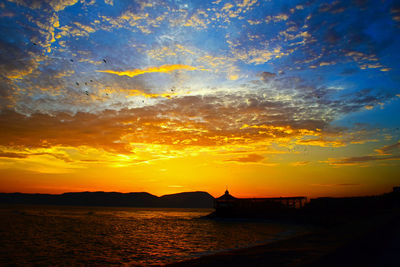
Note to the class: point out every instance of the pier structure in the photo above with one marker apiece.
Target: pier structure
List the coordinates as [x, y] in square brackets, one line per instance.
[228, 205]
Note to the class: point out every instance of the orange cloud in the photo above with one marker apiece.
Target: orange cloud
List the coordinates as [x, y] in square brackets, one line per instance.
[59, 5]
[162, 69]
[248, 158]
[358, 160]
[321, 142]
[389, 149]
[299, 163]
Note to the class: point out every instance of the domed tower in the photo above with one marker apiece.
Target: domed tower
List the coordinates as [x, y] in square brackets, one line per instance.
[225, 201]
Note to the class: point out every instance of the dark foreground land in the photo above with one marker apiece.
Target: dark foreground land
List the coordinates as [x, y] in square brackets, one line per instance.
[112, 199]
[370, 241]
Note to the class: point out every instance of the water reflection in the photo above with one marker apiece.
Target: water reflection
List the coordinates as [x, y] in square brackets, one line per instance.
[81, 235]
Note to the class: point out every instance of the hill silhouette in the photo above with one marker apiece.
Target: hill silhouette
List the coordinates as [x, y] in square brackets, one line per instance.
[138, 199]
[187, 200]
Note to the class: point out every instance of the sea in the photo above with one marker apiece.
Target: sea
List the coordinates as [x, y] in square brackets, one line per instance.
[97, 236]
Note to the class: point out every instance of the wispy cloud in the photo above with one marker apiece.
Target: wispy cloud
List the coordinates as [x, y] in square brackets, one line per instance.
[300, 163]
[389, 149]
[248, 158]
[161, 69]
[360, 160]
[334, 185]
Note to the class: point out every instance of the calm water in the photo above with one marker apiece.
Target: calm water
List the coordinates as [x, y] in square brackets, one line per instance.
[45, 235]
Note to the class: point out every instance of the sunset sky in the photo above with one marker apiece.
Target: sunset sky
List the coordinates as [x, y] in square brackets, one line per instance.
[269, 98]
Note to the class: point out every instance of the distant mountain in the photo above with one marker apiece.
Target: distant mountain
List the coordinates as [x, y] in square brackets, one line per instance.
[187, 200]
[140, 199]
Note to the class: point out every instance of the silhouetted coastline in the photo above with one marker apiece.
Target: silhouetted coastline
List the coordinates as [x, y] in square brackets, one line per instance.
[319, 211]
[351, 231]
[112, 199]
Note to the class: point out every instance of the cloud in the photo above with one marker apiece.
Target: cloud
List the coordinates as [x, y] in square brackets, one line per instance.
[182, 121]
[13, 155]
[218, 64]
[198, 20]
[389, 149]
[257, 56]
[322, 45]
[16, 63]
[31, 4]
[276, 18]
[59, 5]
[300, 163]
[134, 20]
[23, 155]
[203, 111]
[266, 76]
[109, 2]
[286, 108]
[321, 142]
[395, 11]
[329, 185]
[333, 8]
[248, 158]
[359, 160]
[161, 69]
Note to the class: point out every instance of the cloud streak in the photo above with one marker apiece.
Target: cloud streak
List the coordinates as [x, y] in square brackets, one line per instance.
[248, 158]
[160, 69]
[360, 160]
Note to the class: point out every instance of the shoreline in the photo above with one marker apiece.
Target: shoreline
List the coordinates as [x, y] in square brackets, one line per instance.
[361, 242]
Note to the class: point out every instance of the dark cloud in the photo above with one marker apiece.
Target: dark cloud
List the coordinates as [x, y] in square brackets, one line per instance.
[389, 149]
[266, 76]
[349, 71]
[248, 158]
[362, 159]
[329, 185]
[361, 3]
[13, 155]
[336, 29]
[331, 36]
[23, 155]
[15, 61]
[283, 107]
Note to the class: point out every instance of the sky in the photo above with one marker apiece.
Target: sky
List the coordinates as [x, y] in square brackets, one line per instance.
[267, 98]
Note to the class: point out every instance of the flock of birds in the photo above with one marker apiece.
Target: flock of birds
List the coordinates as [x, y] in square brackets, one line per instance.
[77, 83]
[86, 83]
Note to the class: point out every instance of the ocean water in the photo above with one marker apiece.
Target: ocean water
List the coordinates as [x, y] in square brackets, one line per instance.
[57, 235]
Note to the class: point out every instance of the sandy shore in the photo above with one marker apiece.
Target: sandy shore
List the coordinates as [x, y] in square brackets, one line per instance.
[372, 241]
